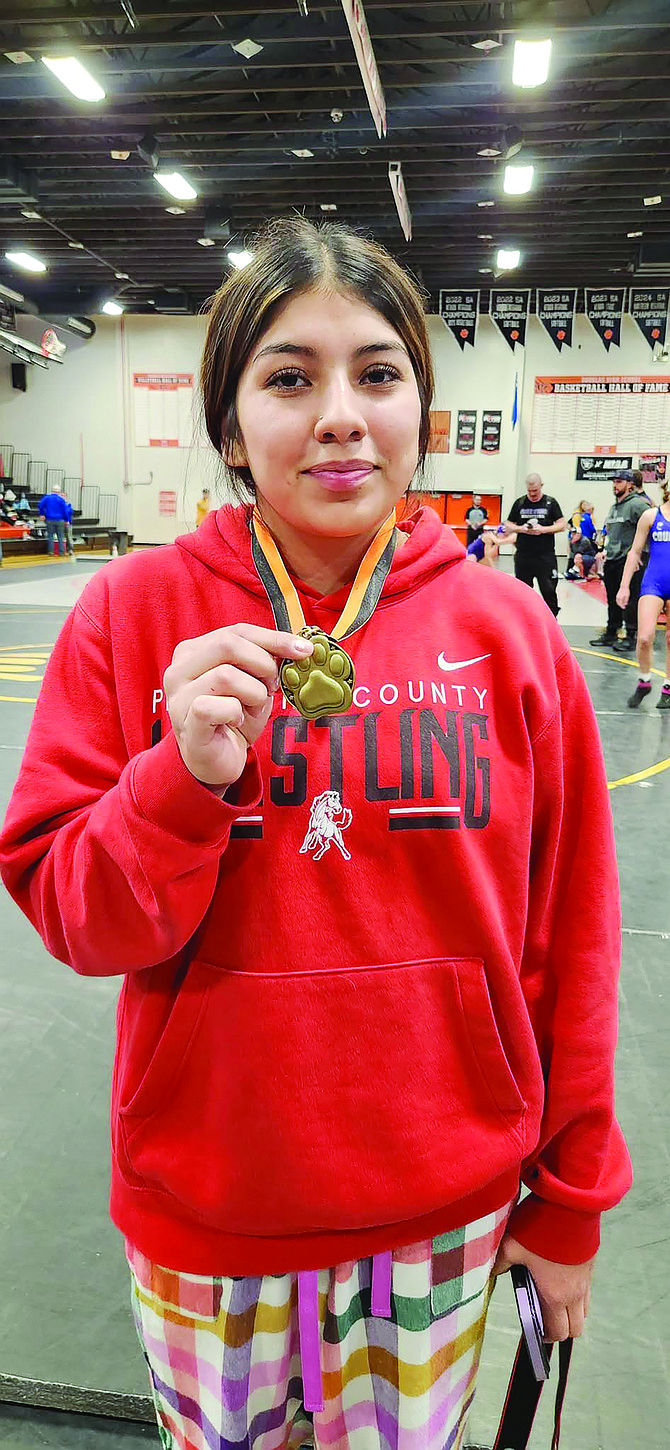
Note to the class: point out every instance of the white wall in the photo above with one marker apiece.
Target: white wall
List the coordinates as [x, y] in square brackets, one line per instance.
[83, 409]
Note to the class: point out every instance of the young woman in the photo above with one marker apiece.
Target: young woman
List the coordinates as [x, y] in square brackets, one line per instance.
[323, 817]
[653, 533]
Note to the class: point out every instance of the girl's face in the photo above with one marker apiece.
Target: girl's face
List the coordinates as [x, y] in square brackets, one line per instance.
[329, 382]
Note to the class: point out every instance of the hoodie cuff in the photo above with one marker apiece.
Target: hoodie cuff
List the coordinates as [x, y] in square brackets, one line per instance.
[169, 797]
[560, 1234]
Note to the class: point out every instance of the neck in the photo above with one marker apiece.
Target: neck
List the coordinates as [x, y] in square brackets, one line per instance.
[325, 564]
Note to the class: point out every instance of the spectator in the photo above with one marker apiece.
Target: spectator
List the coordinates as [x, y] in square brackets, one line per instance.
[582, 519]
[639, 488]
[621, 524]
[535, 519]
[202, 507]
[475, 517]
[583, 555]
[53, 509]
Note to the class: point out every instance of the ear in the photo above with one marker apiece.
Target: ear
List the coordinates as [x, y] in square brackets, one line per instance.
[234, 454]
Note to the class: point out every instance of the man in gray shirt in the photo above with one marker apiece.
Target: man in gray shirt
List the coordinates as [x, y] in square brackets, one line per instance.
[620, 525]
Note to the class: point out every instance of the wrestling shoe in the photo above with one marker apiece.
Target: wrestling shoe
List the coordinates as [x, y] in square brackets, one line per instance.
[603, 639]
[664, 702]
[642, 689]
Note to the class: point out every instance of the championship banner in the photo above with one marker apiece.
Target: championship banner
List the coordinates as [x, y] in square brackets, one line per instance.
[509, 311]
[491, 429]
[604, 311]
[465, 431]
[556, 311]
[459, 312]
[653, 467]
[594, 470]
[649, 309]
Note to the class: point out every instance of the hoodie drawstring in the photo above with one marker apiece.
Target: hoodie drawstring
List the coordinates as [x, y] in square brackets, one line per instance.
[308, 1321]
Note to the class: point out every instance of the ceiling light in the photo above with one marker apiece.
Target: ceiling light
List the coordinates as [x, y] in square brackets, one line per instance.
[122, 276]
[33, 216]
[151, 302]
[79, 326]
[484, 269]
[652, 200]
[176, 184]
[488, 44]
[176, 210]
[304, 153]
[240, 259]
[11, 294]
[206, 242]
[485, 203]
[489, 151]
[531, 62]
[119, 155]
[19, 57]
[27, 261]
[506, 260]
[485, 236]
[328, 205]
[73, 74]
[112, 309]
[76, 246]
[518, 179]
[247, 48]
[633, 234]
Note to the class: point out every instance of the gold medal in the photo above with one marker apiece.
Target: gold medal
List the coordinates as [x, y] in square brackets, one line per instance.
[322, 684]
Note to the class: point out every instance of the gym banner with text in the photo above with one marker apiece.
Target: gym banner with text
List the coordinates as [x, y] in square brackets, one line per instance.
[491, 429]
[594, 470]
[604, 311]
[649, 309]
[459, 312]
[509, 311]
[465, 431]
[556, 311]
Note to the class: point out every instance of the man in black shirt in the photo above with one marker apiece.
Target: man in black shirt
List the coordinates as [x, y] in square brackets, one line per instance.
[535, 519]
[475, 517]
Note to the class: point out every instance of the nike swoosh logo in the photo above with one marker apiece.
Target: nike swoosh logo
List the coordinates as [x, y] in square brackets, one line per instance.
[459, 664]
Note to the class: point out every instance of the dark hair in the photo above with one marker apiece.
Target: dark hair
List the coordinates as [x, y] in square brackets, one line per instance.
[289, 256]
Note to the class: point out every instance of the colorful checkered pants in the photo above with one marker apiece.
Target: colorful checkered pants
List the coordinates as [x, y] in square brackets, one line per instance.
[225, 1363]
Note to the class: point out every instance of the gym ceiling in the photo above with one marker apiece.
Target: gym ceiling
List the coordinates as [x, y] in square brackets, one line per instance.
[180, 97]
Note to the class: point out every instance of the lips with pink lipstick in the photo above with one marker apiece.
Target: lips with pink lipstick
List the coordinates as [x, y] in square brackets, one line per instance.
[342, 477]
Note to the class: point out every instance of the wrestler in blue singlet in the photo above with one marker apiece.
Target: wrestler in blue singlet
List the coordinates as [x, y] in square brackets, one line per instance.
[656, 579]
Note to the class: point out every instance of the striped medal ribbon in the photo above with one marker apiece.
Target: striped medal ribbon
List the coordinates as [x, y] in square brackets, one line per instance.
[323, 684]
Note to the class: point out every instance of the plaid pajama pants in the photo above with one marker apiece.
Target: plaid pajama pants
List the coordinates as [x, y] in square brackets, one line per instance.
[227, 1373]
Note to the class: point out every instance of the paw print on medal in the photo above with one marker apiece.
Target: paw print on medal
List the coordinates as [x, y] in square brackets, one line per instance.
[323, 684]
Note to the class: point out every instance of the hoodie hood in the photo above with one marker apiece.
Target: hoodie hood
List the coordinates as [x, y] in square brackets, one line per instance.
[222, 544]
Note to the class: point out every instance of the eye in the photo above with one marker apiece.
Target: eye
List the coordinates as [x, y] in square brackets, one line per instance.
[382, 373]
[286, 380]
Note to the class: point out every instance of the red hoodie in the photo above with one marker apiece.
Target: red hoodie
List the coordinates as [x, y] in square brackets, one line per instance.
[354, 1010]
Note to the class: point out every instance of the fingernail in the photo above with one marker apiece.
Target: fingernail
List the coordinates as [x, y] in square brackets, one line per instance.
[303, 646]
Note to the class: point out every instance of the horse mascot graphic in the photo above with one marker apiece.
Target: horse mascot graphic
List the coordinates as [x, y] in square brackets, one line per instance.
[327, 820]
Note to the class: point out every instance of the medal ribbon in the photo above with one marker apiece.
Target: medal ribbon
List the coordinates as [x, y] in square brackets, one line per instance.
[281, 591]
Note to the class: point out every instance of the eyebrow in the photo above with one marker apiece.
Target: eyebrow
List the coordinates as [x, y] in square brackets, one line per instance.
[297, 348]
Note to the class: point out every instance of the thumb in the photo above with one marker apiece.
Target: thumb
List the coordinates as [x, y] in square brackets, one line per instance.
[509, 1253]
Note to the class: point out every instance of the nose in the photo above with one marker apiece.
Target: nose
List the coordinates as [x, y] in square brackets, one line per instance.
[341, 416]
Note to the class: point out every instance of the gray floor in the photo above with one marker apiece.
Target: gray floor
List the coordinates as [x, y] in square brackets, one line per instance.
[64, 1314]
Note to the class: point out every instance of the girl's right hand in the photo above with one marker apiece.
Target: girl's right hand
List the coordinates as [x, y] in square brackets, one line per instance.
[219, 691]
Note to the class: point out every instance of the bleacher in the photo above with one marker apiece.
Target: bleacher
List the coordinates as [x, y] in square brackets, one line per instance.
[95, 514]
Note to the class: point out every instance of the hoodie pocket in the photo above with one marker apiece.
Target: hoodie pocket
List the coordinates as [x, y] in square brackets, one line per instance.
[278, 1104]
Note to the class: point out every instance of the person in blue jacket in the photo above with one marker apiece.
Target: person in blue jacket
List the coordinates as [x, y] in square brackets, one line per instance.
[54, 511]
